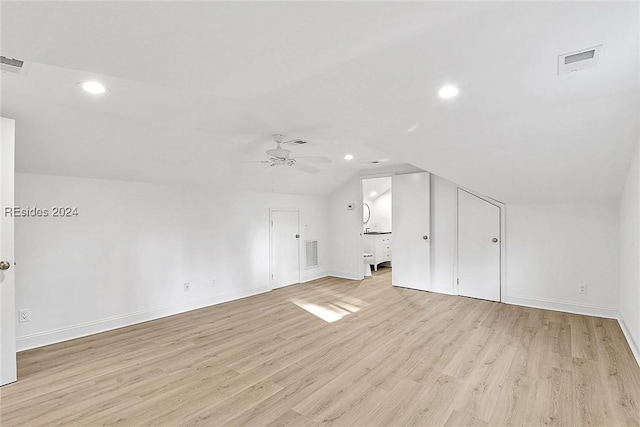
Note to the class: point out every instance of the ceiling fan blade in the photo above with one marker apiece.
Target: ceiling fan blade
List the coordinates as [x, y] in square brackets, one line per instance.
[316, 159]
[294, 142]
[305, 168]
[258, 161]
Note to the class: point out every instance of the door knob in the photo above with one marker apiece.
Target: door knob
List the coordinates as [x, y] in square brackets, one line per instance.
[425, 237]
[4, 265]
[494, 240]
[297, 236]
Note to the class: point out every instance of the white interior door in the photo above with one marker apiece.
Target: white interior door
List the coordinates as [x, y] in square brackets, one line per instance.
[8, 371]
[285, 248]
[478, 247]
[411, 230]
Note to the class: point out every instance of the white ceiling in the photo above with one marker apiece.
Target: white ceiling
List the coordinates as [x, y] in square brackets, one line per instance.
[196, 88]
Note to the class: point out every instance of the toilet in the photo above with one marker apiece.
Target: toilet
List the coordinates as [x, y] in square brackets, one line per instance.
[368, 259]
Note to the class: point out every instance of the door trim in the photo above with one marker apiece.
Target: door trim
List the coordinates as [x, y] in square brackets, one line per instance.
[271, 211]
[503, 238]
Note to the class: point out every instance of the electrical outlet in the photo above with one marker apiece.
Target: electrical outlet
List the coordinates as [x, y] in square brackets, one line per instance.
[24, 315]
[582, 288]
[187, 286]
[213, 281]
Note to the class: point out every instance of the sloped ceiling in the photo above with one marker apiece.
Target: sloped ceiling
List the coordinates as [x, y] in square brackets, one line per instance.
[196, 88]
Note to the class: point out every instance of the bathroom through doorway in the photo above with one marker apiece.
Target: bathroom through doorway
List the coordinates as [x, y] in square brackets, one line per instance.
[376, 223]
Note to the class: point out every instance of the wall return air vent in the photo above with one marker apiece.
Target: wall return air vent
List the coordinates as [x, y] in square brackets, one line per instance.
[11, 65]
[311, 253]
[579, 60]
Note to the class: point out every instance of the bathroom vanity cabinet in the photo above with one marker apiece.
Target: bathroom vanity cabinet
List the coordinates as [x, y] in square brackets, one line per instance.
[380, 246]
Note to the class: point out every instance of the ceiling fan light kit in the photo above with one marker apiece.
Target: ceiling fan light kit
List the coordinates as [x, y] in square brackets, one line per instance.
[282, 157]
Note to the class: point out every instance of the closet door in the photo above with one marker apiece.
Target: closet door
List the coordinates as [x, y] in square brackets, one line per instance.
[411, 231]
[478, 247]
[285, 248]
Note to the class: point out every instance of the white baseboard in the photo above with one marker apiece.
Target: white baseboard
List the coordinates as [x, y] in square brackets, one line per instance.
[344, 275]
[442, 290]
[635, 349]
[319, 275]
[54, 336]
[568, 307]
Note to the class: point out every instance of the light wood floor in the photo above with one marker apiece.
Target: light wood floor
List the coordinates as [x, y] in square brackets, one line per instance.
[391, 357]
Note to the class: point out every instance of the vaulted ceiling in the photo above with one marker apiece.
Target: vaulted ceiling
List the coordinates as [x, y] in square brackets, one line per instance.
[195, 89]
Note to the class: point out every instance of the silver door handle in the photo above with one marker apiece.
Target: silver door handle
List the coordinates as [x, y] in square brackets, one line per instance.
[425, 237]
[494, 240]
[4, 265]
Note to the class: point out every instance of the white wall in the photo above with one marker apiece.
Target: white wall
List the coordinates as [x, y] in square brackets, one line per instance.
[552, 248]
[630, 256]
[380, 213]
[126, 255]
[345, 231]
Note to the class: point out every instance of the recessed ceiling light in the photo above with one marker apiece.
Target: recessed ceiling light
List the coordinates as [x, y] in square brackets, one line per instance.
[413, 127]
[448, 92]
[94, 87]
[348, 157]
[373, 194]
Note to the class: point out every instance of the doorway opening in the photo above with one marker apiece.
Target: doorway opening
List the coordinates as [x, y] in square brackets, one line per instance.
[376, 223]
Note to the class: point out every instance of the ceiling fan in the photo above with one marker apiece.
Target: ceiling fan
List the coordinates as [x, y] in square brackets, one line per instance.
[282, 157]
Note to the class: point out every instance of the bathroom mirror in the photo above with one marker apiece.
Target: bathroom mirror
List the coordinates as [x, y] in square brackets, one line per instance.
[366, 213]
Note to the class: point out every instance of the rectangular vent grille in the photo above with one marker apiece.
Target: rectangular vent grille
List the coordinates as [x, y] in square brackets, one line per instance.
[11, 65]
[374, 162]
[570, 59]
[311, 253]
[11, 62]
[579, 60]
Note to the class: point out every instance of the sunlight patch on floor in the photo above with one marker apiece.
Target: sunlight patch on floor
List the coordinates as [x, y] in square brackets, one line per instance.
[330, 312]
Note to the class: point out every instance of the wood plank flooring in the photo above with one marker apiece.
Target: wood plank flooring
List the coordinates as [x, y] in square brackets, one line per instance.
[386, 357]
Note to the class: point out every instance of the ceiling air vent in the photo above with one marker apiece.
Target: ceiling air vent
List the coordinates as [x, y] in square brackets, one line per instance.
[11, 65]
[579, 60]
[374, 162]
